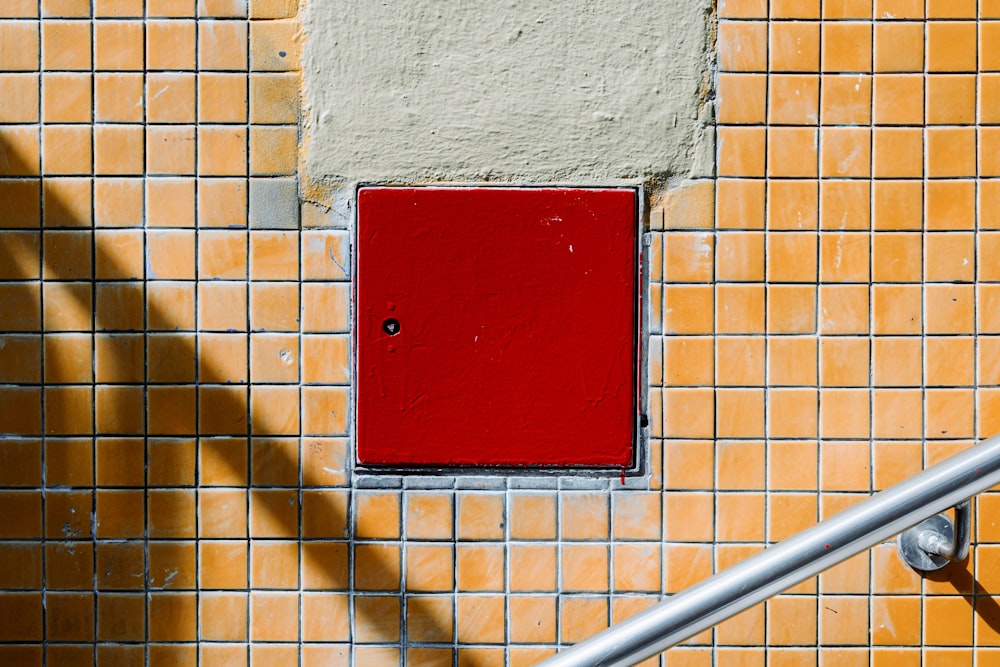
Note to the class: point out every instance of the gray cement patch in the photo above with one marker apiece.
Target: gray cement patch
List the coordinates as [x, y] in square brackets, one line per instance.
[582, 91]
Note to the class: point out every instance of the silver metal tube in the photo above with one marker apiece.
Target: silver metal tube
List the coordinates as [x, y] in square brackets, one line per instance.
[789, 562]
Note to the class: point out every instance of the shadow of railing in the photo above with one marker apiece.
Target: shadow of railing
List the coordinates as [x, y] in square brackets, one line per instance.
[333, 564]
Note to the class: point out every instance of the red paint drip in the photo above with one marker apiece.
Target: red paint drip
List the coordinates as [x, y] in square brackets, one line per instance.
[828, 546]
[623, 476]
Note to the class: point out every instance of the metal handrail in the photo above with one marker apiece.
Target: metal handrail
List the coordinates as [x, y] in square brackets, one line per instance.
[787, 563]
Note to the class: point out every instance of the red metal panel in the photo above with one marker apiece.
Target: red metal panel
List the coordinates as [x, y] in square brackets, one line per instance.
[496, 326]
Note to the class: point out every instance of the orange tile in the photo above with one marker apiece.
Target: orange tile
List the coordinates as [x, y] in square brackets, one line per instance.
[847, 47]
[222, 151]
[688, 309]
[742, 46]
[846, 99]
[844, 621]
[69, 616]
[898, 99]
[170, 254]
[950, 308]
[23, 199]
[222, 98]
[950, 413]
[173, 616]
[584, 567]
[171, 410]
[118, 150]
[989, 98]
[325, 255]
[172, 565]
[120, 462]
[119, 97]
[950, 205]
[121, 617]
[324, 411]
[119, 255]
[899, 47]
[170, 201]
[740, 257]
[21, 142]
[22, 459]
[171, 8]
[273, 150]
[792, 205]
[274, 9]
[171, 513]
[952, 624]
[740, 413]
[844, 413]
[170, 45]
[429, 516]
[68, 514]
[222, 45]
[532, 619]
[898, 205]
[480, 621]
[794, 47]
[846, 152]
[739, 309]
[275, 461]
[896, 621]
[223, 410]
[325, 617]
[120, 515]
[273, 513]
[741, 98]
[791, 361]
[951, 46]
[223, 306]
[847, 9]
[898, 152]
[170, 462]
[793, 99]
[377, 515]
[382, 619]
[274, 99]
[273, 256]
[377, 567]
[690, 464]
[743, 9]
[118, 45]
[791, 257]
[222, 254]
[740, 361]
[23, 252]
[951, 152]
[69, 358]
[171, 98]
[119, 306]
[170, 306]
[118, 202]
[66, 98]
[275, 46]
[897, 257]
[170, 150]
[688, 361]
[792, 152]
[740, 204]
[740, 465]
[688, 413]
[65, 45]
[845, 466]
[740, 517]
[791, 309]
[741, 151]
[274, 564]
[223, 564]
[582, 617]
[223, 616]
[943, 9]
[481, 567]
[989, 142]
[897, 309]
[532, 568]
[68, 410]
[791, 620]
[532, 516]
[792, 413]
[895, 411]
[119, 8]
[951, 99]
[585, 516]
[844, 257]
[852, 575]
[274, 358]
[20, 9]
[222, 202]
[844, 362]
[950, 257]
[792, 465]
[66, 149]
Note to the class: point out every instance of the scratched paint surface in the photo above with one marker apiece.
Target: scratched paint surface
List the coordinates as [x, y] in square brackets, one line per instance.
[496, 326]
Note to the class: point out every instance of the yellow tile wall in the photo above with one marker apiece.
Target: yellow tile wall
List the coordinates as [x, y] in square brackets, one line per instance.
[175, 474]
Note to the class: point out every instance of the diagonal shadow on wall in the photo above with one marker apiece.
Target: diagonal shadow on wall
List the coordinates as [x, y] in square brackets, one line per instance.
[330, 566]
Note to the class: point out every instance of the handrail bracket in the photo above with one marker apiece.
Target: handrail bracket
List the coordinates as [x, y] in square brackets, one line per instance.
[935, 542]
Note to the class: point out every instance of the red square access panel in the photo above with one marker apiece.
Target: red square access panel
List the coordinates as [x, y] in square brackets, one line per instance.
[496, 327]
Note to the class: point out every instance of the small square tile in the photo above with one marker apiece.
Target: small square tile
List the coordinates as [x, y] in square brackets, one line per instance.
[119, 97]
[274, 99]
[171, 97]
[793, 99]
[65, 45]
[742, 46]
[222, 45]
[847, 46]
[222, 202]
[170, 45]
[118, 45]
[794, 46]
[899, 47]
[222, 98]
[951, 46]
[275, 46]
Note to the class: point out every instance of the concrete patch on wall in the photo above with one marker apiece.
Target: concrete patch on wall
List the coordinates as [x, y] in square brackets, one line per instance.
[583, 91]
